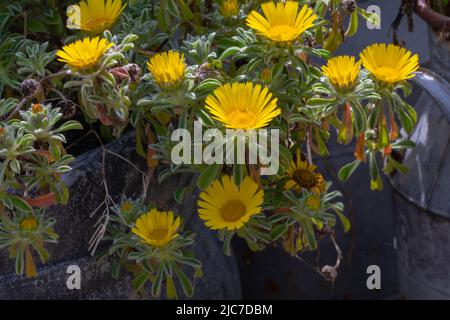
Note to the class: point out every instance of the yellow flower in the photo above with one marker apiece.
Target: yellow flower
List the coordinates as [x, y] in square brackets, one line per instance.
[229, 8]
[84, 54]
[29, 224]
[302, 175]
[312, 202]
[242, 106]
[282, 22]
[36, 108]
[224, 205]
[126, 206]
[389, 63]
[95, 15]
[342, 71]
[167, 68]
[157, 228]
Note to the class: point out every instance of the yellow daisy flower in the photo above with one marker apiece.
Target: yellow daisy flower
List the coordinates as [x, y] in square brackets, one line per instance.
[282, 22]
[167, 68]
[229, 8]
[84, 54]
[29, 224]
[224, 205]
[95, 15]
[342, 71]
[157, 228]
[389, 63]
[303, 176]
[243, 106]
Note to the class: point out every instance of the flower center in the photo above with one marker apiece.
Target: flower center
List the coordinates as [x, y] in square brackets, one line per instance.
[126, 206]
[386, 73]
[98, 23]
[158, 234]
[242, 119]
[233, 210]
[304, 178]
[282, 33]
[28, 224]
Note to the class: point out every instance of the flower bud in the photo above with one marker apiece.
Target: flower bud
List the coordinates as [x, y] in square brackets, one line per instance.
[348, 6]
[67, 108]
[134, 72]
[28, 224]
[229, 8]
[313, 202]
[131, 72]
[36, 108]
[31, 89]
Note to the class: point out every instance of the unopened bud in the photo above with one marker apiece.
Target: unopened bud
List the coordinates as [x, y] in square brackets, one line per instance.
[36, 108]
[28, 224]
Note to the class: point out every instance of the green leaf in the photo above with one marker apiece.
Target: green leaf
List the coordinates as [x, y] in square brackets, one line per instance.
[318, 102]
[179, 193]
[404, 144]
[229, 52]
[239, 172]
[185, 10]
[346, 171]
[163, 17]
[19, 260]
[188, 289]
[42, 252]
[278, 231]
[139, 282]
[344, 220]
[20, 204]
[35, 26]
[15, 166]
[227, 243]
[70, 125]
[208, 175]
[207, 85]
[171, 290]
[353, 25]
[309, 232]
[157, 283]
[406, 120]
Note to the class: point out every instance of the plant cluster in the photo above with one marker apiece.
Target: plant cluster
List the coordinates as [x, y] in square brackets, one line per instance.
[164, 65]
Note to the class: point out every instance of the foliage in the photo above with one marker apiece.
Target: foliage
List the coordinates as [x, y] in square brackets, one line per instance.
[112, 87]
